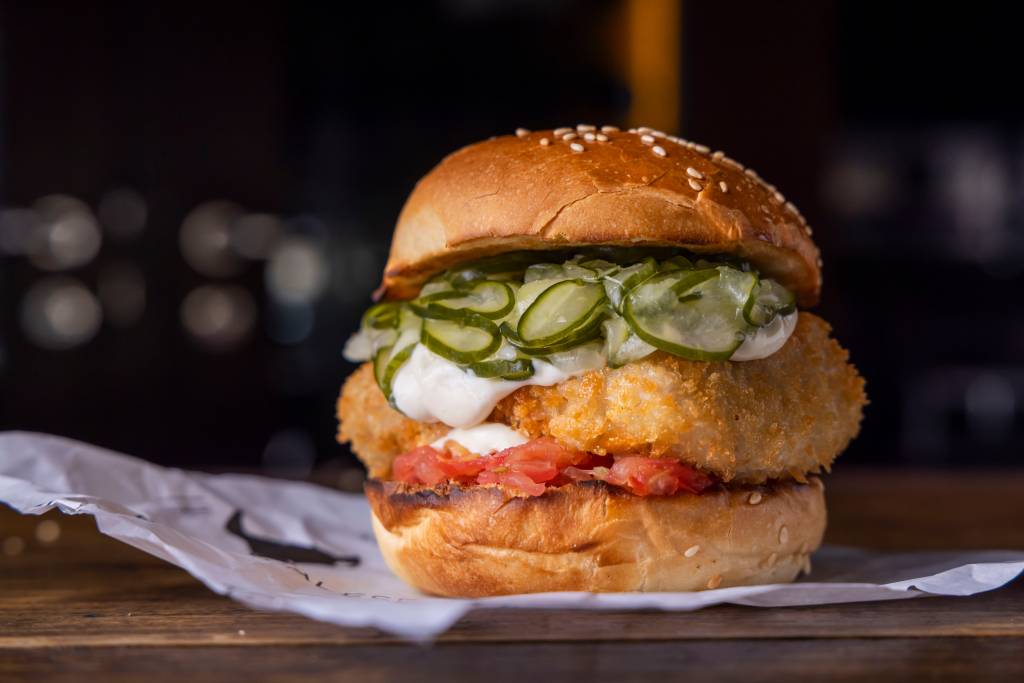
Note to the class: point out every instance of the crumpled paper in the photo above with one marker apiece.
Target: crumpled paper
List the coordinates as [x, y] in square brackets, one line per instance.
[285, 545]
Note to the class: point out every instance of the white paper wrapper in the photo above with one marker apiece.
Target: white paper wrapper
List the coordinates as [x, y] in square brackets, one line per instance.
[224, 530]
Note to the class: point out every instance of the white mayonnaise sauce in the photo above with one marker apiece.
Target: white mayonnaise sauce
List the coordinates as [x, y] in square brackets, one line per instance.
[766, 340]
[483, 438]
[429, 388]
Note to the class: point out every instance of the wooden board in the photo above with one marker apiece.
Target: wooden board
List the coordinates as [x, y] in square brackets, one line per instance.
[86, 607]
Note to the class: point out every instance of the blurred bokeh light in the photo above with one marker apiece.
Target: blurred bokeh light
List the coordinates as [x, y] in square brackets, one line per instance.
[66, 235]
[296, 271]
[58, 312]
[218, 317]
[205, 239]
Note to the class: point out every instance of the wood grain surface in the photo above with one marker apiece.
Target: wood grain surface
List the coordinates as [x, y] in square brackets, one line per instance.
[85, 607]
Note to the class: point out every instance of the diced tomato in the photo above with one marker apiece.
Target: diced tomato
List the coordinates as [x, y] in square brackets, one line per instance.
[544, 449]
[511, 479]
[656, 476]
[532, 466]
[419, 466]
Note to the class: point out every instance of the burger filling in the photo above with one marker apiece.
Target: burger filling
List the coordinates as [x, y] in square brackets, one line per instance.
[531, 467]
[479, 332]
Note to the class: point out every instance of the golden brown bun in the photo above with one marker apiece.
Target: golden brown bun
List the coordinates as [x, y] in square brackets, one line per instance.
[479, 541]
[511, 193]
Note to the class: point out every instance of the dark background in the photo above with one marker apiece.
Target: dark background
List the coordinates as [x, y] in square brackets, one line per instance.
[196, 198]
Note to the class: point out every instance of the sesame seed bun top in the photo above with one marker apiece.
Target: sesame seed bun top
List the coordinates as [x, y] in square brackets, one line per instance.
[584, 186]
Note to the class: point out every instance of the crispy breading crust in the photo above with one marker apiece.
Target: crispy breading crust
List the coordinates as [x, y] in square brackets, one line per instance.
[780, 417]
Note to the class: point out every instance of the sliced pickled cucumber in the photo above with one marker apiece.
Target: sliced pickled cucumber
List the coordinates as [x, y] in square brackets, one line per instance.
[770, 299]
[664, 312]
[488, 298]
[618, 283]
[675, 263]
[386, 364]
[588, 333]
[516, 370]
[621, 345]
[382, 316]
[469, 339]
[544, 271]
[560, 312]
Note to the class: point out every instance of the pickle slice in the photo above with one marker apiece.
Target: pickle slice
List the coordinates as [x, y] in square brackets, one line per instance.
[515, 370]
[382, 315]
[467, 339]
[618, 283]
[621, 345]
[770, 299]
[488, 298]
[560, 312]
[389, 359]
[692, 314]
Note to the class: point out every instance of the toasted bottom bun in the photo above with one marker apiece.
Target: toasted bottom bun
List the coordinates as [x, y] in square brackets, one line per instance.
[479, 540]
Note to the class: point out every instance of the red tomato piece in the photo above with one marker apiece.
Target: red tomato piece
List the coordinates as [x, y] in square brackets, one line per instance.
[513, 480]
[531, 467]
[656, 477]
[419, 466]
[544, 449]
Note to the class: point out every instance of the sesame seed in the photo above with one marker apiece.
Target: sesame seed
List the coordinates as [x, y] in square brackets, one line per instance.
[585, 127]
[632, 130]
[675, 139]
[647, 139]
[783, 535]
[544, 142]
[702, 149]
[695, 185]
[576, 147]
[659, 150]
[692, 550]
[754, 498]
[601, 137]
[808, 229]
[589, 137]
[522, 132]
[732, 163]
[657, 134]
[820, 262]
[241, 631]
[752, 173]
[791, 207]
[559, 132]
[694, 173]
[715, 581]
[609, 129]
[644, 129]
[718, 156]
[778, 197]
[569, 136]
[683, 141]
[723, 186]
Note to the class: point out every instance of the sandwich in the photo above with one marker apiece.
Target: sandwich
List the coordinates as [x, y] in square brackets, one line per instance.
[589, 367]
